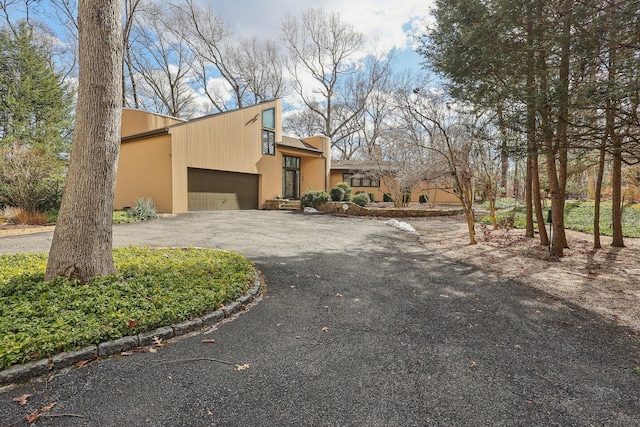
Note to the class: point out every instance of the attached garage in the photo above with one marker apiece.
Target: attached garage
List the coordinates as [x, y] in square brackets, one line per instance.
[213, 190]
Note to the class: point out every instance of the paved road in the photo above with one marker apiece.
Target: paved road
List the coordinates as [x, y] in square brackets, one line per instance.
[410, 339]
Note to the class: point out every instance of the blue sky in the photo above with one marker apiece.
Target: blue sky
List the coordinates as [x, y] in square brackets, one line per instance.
[385, 23]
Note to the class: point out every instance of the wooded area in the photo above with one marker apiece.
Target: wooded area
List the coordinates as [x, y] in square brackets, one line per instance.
[560, 80]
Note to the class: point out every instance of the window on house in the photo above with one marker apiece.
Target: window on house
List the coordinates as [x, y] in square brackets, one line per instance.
[360, 181]
[268, 142]
[268, 131]
[269, 118]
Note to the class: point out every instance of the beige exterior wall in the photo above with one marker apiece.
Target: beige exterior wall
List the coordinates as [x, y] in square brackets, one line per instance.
[436, 196]
[230, 142]
[138, 121]
[156, 166]
[323, 144]
[144, 170]
[270, 184]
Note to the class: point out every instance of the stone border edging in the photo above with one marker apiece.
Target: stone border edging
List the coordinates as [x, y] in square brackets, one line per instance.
[22, 373]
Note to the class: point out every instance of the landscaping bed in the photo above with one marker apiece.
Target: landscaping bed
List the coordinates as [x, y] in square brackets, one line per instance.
[154, 288]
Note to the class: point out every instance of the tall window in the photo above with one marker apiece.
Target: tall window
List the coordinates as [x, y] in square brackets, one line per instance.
[268, 142]
[269, 131]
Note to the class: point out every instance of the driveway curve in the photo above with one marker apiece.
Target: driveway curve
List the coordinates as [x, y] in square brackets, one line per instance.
[359, 326]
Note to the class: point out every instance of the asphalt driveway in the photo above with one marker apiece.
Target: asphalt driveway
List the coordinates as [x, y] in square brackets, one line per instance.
[359, 326]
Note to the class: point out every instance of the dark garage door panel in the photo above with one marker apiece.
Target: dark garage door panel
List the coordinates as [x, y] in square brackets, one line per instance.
[211, 190]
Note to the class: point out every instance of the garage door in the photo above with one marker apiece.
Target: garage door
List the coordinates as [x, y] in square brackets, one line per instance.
[211, 190]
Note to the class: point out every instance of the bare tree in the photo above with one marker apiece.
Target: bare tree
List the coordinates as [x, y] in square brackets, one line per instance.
[82, 241]
[130, 9]
[261, 64]
[404, 166]
[450, 137]
[489, 168]
[328, 51]
[24, 9]
[164, 64]
[232, 73]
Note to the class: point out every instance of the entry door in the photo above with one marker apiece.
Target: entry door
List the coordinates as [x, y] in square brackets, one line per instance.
[291, 177]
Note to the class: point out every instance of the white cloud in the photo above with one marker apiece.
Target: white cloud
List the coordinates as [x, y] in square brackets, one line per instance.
[389, 24]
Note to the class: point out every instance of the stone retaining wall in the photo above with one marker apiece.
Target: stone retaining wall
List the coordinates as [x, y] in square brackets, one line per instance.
[356, 210]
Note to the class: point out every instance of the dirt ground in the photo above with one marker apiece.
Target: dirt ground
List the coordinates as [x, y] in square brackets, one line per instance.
[16, 230]
[604, 281]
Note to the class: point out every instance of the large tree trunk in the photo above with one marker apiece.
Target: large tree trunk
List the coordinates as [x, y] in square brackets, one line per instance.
[562, 126]
[557, 196]
[82, 241]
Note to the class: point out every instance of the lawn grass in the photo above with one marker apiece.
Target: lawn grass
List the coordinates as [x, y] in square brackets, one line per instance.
[154, 287]
[578, 216]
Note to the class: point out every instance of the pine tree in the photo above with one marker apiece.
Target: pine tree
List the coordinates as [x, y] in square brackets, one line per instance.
[35, 121]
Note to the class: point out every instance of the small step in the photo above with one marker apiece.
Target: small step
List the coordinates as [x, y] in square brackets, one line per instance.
[283, 205]
[291, 205]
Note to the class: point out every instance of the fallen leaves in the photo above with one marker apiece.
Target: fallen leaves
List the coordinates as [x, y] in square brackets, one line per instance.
[35, 415]
[48, 407]
[131, 323]
[157, 341]
[22, 400]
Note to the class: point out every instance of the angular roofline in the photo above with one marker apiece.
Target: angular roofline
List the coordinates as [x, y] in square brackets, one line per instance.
[145, 135]
[221, 113]
[155, 114]
[165, 130]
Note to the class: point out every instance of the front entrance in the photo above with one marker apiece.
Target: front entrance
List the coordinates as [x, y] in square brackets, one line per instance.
[291, 177]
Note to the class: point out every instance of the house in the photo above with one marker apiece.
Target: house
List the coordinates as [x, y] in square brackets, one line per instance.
[367, 178]
[232, 160]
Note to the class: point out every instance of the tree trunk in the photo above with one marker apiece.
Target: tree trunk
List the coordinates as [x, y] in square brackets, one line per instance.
[616, 193]
[471, 222]
[504, 154]
[492, 212]
[537, 201]
[529, 231]
[531, 126]
[562, 144]
[598, 195]
[82, 241]
[557, 197]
